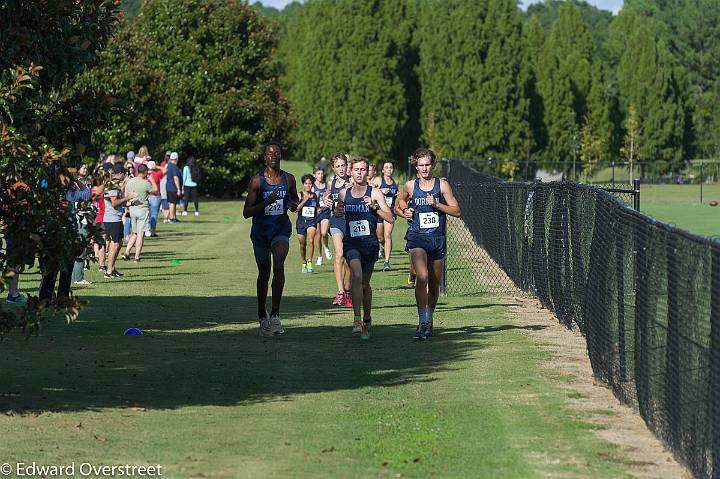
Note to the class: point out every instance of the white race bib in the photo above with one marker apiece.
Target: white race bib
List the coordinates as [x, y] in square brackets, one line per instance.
[429, 220]
[359, 228]
[389, 201]
[274, 209]
[308, 211]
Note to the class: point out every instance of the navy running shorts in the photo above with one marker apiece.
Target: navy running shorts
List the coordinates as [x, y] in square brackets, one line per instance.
[434, 246]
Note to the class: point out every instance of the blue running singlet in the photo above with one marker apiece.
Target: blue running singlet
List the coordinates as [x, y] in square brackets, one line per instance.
[426, 219]
[274, 220]
[391, 195]
[335, 222]
[360, 222]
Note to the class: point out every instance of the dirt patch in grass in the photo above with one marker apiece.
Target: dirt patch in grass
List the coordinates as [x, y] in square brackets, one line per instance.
[643, 455]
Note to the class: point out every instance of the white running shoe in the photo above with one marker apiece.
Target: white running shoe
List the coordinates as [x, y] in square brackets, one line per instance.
[147, 234]
[265, 330]
[328, 254]
[319, 261]
[275, 325]
[184, 213]
[166, 220]
[197, 213]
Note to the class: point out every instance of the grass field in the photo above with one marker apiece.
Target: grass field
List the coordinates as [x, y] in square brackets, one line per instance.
[201, 394]
[680, 205]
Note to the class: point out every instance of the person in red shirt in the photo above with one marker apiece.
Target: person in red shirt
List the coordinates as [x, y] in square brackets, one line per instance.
[155, 200]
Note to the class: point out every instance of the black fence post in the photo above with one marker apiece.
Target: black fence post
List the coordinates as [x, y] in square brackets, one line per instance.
[443, 280]
[636, 194]
[714, 383]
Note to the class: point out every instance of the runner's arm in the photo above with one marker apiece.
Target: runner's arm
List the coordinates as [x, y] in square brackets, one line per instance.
[451, 206]
[383, 209]
[403, 198]
[250, 208]
[292, 189]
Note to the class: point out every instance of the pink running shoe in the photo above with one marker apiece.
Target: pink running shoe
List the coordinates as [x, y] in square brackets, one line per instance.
[339, 298]
[348, 299]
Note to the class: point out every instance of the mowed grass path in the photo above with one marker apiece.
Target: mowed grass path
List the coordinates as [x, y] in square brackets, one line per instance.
[201, 394]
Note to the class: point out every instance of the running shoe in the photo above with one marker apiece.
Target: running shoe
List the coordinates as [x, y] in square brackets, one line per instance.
[136, 260]
[83, 282]
[429, 331]
[148, 234]
[184, 213]
[421, 332]
[381, 253]
[102, 269]
[386, 266]
[174, 220]
[17, 299]
[328, 254]
[348, 299]
[265, 329]
[411, 281]
[275, 325]
[197, 213]
[366, 331]
[339, 298]
[304, 268]
[357, 326]
[117, 274]
[309, 267]
[126, 257]
[166, 220]
[108, 275]
[319, 261]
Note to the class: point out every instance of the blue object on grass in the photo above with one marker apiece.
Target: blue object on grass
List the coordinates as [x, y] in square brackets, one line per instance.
[133, 332]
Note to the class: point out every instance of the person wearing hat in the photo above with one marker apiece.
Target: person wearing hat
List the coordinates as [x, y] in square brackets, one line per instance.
[113, 220]
[163, 188]
[174, 186]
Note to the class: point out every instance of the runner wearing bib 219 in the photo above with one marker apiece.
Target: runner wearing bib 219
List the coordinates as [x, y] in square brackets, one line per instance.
[425, 202]
[362, 206]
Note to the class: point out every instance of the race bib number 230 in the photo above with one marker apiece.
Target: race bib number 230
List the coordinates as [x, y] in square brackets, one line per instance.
[429, 220]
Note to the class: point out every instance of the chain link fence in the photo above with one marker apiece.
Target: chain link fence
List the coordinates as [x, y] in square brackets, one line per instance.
[645, 295]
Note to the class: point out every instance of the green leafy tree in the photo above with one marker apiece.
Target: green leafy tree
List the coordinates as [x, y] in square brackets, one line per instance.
[648, 78]
[474, 73]
[346, 83]
[629, 150]
[197, 77]
[44, 120]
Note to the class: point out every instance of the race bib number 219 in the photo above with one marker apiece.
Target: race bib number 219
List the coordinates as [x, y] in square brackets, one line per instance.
[359, 228]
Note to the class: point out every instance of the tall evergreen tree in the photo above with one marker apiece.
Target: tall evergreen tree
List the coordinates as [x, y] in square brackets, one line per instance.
[474, 72]
[345, 78]
[647, 76]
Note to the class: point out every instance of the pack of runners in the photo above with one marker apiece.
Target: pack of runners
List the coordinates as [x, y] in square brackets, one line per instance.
[357, 208]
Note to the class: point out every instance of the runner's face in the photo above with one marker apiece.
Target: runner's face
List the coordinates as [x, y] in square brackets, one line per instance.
[424, 167]
[272, 156]
[339, 168]
[388, 169]
[307, 185]
[318, 176]
[371, 171]
[359, 172]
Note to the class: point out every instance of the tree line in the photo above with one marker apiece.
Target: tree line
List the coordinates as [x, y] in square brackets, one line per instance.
[483, 79]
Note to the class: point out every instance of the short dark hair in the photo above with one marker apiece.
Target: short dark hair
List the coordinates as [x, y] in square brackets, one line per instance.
[271, 143]
[360, 159]
[382, 165]
[338, 156]
[142, 168]
[118, 168]
[422, 153]
[307, 177]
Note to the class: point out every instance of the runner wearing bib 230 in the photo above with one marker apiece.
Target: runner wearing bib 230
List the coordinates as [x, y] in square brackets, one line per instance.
[426, 201]
[271, 194]
[361, 204]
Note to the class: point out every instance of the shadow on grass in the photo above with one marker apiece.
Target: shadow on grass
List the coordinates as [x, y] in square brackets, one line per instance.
[206, 351]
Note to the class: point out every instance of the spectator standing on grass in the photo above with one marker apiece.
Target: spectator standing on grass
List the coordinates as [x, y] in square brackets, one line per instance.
[80, 192]
[190, 180]
[98, 193]
[163, 188]
[154, 199]
[174, 186]
[112, 223]
[76, 193]
[140, 187]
